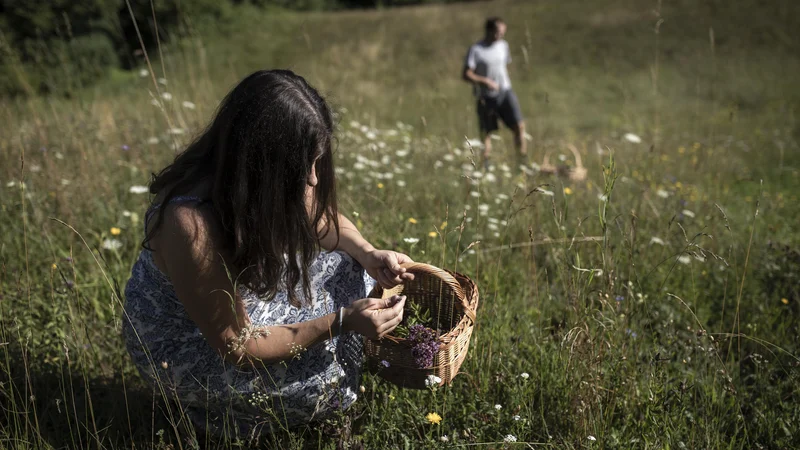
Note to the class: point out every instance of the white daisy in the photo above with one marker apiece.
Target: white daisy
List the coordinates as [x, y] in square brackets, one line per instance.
[139, 189]
[112, 244]
[410, 240]
[630, 137]
[510, 438]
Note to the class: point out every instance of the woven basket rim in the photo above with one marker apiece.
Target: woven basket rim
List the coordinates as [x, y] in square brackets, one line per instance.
[466, 304]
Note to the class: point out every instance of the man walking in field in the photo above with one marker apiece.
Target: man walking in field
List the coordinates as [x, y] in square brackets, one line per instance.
[485, 68]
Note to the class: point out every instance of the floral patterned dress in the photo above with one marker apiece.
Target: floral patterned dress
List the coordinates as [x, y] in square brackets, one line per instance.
[172, 355]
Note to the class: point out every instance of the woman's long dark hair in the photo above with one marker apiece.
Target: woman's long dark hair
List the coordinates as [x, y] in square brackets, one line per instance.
[256, 155]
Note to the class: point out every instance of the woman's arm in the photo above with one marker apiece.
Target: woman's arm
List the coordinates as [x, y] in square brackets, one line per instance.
[350, 239]
[187, 249]
[382, 265]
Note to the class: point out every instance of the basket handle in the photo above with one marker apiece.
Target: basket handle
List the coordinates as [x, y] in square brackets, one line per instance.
[447, 278]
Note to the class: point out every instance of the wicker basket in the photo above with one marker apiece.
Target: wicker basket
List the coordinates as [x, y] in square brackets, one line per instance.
[453, 301]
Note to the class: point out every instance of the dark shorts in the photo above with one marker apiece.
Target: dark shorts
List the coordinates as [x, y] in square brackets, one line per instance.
[505, 106]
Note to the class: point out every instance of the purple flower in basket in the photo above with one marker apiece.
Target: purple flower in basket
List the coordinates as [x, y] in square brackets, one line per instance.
[424, 346]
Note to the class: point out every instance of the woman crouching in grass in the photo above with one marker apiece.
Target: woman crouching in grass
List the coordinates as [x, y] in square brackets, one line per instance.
[246, 304]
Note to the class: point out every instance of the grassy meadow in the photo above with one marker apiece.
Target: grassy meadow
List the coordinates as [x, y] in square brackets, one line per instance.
[654, 305]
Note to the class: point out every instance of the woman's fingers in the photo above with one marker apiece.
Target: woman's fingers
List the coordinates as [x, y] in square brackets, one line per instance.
[383, 280]
[390, 324]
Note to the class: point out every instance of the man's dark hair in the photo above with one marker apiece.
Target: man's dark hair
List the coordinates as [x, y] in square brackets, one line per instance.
[492, 23]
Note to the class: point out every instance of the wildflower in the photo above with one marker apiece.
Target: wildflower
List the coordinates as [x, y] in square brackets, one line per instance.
[164, 365]
[391, 397]
[176, 131]
[432, 234]
[432, 380]
[152, 140]
[448, 157]
[162, 80]
[54, 266]
[785, 301]
[35, 168]
[591, 438]
[371, 135]
[443, 225]
[143, 73]
[510, 438]
[545, 192]
[400, 153]
[602, 197]
[362, 389]
[410, 240]
[656, 240]
[425, 346]
[112, 244]
[401, 183]
[516, 418]
[188, 105]
[139, 189]
[65, 182]
[385, 363]
[662, 193]
[434, 418]
[630, 137]
[567, 191]
[684, 259]
[524, 375]
[498, 407]
[688, 213]
[444, 438]
[412, 220]
[115, 231]
[490, 177]
[619, 298]
[380, 185]
[166, 96]
[475, 194]
[474, 143]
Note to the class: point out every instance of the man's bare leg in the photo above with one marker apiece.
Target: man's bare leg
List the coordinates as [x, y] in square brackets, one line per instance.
[487, 148]
[520, 143]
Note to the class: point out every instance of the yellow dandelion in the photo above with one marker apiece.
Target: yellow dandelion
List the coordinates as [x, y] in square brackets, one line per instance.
[412, 220]
[783, 300]
[567, 191]
[54, 266]
[115, 231]
[444, 225]
[432, 234]
[434, 418]
[380, 185]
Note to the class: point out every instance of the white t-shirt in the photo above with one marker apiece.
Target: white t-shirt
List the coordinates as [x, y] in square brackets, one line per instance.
[490, 60]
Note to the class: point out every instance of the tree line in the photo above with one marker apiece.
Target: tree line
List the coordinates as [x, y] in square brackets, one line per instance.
[57, 46]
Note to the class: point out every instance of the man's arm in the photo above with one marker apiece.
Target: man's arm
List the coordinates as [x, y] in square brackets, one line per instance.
[469, 74]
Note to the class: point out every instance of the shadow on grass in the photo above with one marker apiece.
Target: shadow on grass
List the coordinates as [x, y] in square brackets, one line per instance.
[60, 406]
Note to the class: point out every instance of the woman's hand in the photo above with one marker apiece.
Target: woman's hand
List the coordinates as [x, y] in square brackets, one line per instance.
[374, 317]
[384, 266]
